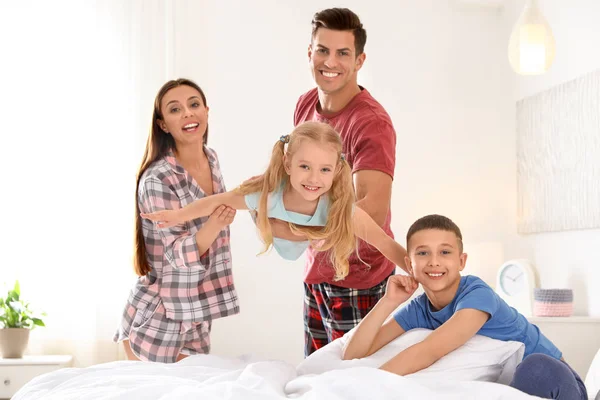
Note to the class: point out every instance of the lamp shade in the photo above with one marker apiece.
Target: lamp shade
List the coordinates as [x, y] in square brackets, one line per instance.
[531, 48]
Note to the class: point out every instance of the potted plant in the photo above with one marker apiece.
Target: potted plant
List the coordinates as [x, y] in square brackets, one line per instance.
[16, 320]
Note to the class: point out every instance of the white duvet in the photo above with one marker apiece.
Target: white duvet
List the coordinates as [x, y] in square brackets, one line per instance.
[247, 378]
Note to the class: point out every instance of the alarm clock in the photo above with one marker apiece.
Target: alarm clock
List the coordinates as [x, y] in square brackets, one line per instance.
[515, 283]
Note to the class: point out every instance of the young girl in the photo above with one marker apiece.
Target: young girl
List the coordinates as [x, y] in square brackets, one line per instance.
[308, 185]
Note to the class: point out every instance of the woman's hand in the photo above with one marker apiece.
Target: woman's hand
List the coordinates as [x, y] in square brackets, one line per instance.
[399, 288]
[221, 217]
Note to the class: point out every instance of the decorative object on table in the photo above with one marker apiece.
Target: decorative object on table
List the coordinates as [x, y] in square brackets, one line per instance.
[558, 148]
[515, 282]
[553, 302]
[16, 321]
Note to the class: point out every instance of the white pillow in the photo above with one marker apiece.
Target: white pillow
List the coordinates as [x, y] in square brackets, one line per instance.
[592, 379]
[480, 359]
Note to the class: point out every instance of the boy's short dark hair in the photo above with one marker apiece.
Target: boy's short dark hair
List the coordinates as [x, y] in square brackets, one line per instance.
[435, 221]
[341, 19]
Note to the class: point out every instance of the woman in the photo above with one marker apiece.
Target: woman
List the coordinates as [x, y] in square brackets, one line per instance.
[185, 276]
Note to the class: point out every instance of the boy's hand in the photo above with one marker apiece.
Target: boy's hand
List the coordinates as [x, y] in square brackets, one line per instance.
[164, 218]
[221, 217]
[399, 288]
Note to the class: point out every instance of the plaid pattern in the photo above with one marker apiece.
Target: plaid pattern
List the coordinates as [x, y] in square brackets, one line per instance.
[192, 287]
[330, 311]
[154, 337]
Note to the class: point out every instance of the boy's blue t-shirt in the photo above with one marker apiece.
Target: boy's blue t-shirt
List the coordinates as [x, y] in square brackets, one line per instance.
[505, 323]
[290, 250]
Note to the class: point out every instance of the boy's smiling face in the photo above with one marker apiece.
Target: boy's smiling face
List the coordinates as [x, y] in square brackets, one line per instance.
[435, 258]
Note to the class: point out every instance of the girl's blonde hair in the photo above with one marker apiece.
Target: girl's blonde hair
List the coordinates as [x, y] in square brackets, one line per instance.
[337, 235]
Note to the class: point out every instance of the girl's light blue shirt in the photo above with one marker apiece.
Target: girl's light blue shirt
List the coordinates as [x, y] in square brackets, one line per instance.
[290, 250]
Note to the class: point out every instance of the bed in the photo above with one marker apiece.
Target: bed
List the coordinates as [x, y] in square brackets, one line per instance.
[479, 369]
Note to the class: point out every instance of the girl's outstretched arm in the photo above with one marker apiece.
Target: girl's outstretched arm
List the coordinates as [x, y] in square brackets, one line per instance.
[370, 232]
[199, 208]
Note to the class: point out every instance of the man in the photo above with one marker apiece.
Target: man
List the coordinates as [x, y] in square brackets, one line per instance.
[336, 54]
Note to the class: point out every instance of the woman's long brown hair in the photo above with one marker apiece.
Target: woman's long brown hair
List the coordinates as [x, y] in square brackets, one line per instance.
[158, 146]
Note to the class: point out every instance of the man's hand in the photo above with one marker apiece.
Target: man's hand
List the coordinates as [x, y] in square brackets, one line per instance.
[281, 229]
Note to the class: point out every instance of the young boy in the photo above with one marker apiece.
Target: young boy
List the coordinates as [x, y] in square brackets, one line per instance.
[456, 308]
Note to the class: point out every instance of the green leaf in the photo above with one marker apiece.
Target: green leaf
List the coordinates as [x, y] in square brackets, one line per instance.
[12, 317]
[16, 313]
[17, 306]
[12, 296]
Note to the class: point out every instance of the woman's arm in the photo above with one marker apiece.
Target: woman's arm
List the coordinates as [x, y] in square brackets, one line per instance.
[370, 336]
[199, 208]
[178, 247]
[370, 232]
[455, 332]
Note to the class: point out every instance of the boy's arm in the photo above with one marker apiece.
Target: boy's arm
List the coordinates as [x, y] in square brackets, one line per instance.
[368, 230]
[455, 332]
[199, 208]
[370, 336]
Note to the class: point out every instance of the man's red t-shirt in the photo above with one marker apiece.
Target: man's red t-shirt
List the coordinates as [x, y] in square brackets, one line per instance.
[369, 142]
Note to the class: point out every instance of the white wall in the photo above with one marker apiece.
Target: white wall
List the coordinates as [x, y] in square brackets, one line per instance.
[440, 72]
[565, 259]
[78, 82]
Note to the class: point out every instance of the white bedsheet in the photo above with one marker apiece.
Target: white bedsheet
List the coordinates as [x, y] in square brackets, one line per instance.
[246, 378]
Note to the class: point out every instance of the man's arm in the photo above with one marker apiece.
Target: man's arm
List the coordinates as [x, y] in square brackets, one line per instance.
[373, 193]
[281, 229]
[455, 332]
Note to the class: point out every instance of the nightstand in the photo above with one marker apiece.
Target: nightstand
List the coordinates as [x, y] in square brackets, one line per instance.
[16, 372]
[577, 337]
